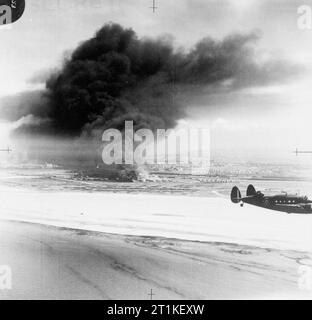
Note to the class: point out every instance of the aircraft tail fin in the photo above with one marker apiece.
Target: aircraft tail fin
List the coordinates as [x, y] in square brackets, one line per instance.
[235, 195]
[251, 191]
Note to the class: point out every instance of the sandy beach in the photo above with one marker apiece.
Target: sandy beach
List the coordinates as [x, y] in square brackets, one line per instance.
[60, 263]
[101, 245]
[207, 219]
[150, 150]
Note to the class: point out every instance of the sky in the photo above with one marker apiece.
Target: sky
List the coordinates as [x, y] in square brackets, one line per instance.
[268, 119]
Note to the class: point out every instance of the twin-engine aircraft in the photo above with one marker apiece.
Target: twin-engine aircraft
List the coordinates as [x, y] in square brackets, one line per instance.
[280, 202]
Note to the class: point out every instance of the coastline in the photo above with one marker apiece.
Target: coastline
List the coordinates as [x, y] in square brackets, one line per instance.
[180, 217]
[60, 263]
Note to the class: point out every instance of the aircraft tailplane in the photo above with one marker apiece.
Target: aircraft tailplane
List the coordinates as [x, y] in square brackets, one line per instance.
[251, 191]
[235, 195]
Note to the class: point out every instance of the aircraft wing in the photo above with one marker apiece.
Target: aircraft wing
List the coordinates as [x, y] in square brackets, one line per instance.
[247, 197]
[297, 205]
[300, 206]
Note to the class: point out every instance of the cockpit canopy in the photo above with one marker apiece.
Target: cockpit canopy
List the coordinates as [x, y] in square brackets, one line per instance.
[260, 194]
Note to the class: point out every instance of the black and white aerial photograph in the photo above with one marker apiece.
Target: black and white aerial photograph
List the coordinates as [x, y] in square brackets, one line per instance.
[155, 150]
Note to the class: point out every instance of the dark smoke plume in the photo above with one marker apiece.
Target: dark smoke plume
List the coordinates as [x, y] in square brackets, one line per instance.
[115, 76]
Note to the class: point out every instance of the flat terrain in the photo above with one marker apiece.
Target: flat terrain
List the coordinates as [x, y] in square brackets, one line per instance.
[66, 238]
[59, 263]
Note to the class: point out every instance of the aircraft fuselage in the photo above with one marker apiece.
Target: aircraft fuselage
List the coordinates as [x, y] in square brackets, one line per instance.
[281, 202]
